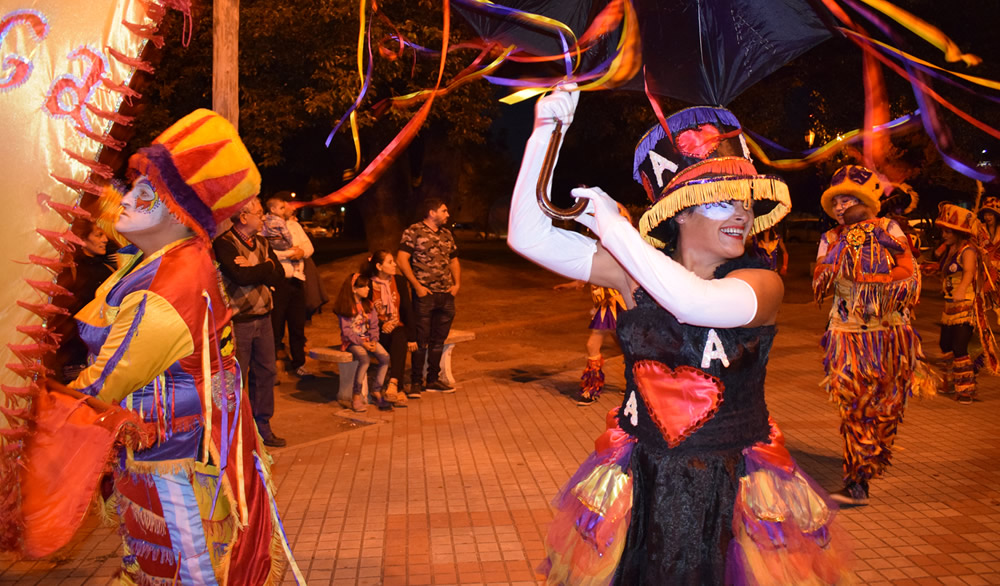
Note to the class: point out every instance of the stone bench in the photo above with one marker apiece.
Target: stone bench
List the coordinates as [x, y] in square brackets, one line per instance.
[347, 366]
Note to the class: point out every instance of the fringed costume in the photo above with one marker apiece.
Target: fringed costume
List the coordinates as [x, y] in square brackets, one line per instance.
[965, 312]
[691, 483]
[608, 303]
[191, 482]
[195, 504]
[874, 361]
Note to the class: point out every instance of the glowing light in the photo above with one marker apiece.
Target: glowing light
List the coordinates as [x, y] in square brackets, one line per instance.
[810, 137]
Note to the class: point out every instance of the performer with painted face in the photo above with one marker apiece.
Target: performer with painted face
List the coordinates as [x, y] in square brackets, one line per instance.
[968, 283]
[191, 477]
[691, 483]
[874, 361]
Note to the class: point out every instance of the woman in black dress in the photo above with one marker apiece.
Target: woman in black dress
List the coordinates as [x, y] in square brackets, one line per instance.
[691, 483]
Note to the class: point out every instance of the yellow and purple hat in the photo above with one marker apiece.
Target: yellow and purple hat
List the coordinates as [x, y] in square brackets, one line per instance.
[700, 156]
[201, 170]
[856, 181]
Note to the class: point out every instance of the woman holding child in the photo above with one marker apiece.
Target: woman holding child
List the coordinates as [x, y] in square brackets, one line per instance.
[874, 360]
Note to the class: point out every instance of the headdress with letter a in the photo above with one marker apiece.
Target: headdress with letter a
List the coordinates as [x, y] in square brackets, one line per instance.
[700, 157]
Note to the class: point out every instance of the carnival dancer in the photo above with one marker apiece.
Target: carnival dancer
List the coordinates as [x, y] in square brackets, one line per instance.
[967, 293]
[607, 304]
[874, 361]
[896, 205]
[192, 492]
[691, 484]
[989, 218]
[769, 245]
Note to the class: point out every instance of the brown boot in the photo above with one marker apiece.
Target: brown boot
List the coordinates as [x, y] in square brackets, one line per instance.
[965, 380]
[947, 373]
[592, 381]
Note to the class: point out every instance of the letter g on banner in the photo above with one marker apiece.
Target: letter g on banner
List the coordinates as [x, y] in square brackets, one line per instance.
[16, 69]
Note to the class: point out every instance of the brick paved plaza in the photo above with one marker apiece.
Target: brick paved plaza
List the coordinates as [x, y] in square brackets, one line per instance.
[455, 488]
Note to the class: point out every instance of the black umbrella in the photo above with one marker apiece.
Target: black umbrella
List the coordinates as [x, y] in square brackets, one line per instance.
[698, 51]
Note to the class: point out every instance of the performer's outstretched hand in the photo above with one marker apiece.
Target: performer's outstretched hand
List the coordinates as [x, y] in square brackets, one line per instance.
[601, 210]
[559, 105]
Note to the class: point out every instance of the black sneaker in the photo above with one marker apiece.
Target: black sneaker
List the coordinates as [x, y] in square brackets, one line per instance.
[585, 400]
[439, 386]
[414, 390]
[852, 495]
[273, 441]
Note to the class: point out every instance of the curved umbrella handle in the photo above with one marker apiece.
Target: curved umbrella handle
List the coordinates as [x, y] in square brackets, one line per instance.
[541, 189]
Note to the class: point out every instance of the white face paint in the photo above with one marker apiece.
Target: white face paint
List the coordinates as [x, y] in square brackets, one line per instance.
[142, 208]
[716, 211]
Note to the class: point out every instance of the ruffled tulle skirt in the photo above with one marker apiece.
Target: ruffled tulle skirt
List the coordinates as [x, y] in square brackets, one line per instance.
[634, 516]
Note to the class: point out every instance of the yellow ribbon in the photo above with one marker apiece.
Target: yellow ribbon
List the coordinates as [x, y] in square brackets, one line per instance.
[971, 78]
[925, 30]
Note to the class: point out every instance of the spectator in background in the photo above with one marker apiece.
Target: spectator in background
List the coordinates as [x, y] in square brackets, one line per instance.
[249, 269]
[92, 266]
[428, 258]
[359, 335]
[391, 298]
[292, 246]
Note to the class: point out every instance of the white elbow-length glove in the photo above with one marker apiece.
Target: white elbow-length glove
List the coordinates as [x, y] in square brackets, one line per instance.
[530, 232]
[717, 303]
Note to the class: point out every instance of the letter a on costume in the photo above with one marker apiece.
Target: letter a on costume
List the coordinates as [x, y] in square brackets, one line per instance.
[659, 163]
[713, 351]
[632, 409]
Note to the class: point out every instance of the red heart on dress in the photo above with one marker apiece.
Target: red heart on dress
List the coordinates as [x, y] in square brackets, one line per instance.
[679, 400]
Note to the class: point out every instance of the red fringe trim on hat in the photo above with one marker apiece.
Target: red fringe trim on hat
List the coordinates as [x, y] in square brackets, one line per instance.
[712, 167]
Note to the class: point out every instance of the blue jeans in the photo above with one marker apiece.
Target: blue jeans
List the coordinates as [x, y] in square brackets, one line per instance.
[364, 360]
[255, 353]
[432, 314]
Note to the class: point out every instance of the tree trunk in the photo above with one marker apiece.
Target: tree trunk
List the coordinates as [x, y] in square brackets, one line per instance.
[387, 206]
[225, 60]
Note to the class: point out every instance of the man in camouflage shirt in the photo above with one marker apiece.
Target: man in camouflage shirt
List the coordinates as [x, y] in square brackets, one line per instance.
[428, 258]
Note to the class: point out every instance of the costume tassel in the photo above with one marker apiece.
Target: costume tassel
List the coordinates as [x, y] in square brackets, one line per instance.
[131, 61]
[101, 169]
